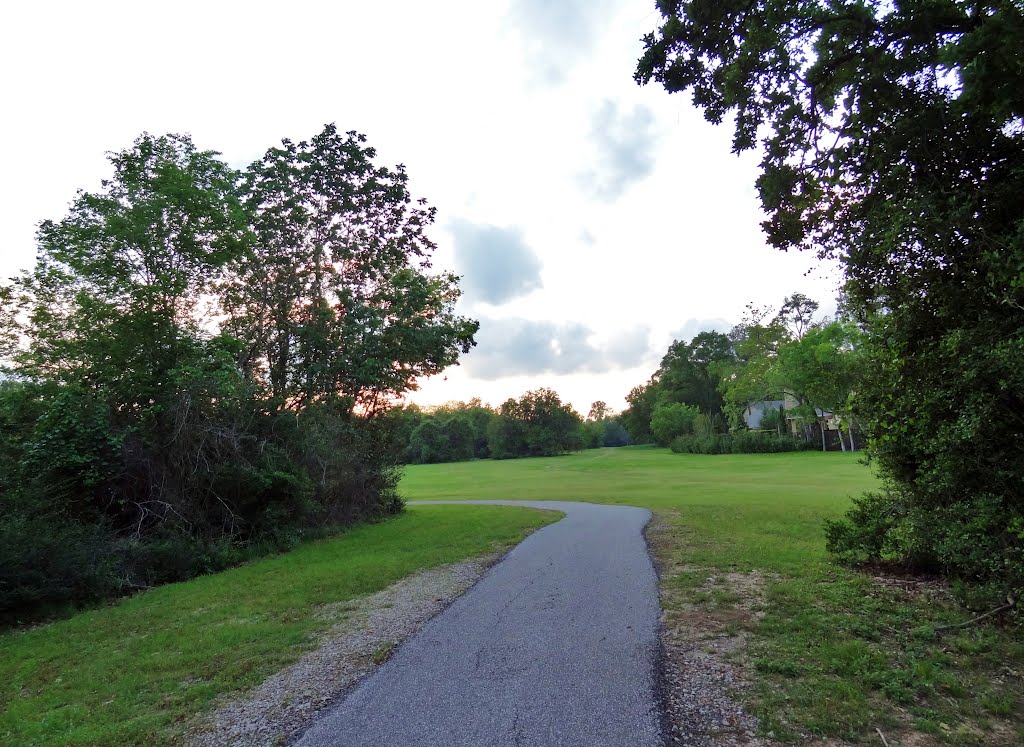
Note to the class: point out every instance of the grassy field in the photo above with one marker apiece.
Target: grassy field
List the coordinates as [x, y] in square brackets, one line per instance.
[134, 673]
[832, 653]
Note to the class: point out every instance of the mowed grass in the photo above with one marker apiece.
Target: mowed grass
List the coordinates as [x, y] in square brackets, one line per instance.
[832, 653]
[135, 673]
[744, 511]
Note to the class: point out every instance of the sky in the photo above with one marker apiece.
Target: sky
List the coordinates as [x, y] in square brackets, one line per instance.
[592, 220]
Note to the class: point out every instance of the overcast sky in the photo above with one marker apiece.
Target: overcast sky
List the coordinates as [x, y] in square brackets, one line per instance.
[593, 221]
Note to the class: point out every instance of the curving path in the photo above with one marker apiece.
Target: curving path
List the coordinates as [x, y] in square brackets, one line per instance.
[556, 646]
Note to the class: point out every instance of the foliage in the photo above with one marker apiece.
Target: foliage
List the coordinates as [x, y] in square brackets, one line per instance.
[599, 411]
[689, 374]
[821, 370]
[671, 420]
[615, 434]
[740, 442]
[452, 432]
[636, 418]
[334, 299]
[147, 435]
[797, 314]
[813, 366]
[449, 439]
[749, 379]
[603, 428]
[607, 432]
[774, 420]
[893, 140]
[536, 424]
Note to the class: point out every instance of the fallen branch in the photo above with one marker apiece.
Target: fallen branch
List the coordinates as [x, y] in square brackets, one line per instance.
[1010, 604]
[884, 740]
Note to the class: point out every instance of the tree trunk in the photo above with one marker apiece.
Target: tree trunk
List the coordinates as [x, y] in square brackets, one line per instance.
[821, 425]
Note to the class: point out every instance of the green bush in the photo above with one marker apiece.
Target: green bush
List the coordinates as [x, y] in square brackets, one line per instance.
[975, 541]
[742, 442]
[92, 507]
[672, 420]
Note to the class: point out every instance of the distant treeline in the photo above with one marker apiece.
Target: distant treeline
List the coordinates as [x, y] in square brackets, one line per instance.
[535, 424]
[201, 362]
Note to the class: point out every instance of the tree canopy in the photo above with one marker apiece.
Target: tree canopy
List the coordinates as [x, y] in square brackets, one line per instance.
[892, 137]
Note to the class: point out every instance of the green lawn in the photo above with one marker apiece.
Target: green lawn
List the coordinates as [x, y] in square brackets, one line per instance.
[135, 672]
[745, 511]
[833, 653]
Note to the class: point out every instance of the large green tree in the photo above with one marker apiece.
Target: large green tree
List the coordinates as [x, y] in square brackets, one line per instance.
[114, 302]
[892, 137]
[748, 378]
[821, 371]
[336, 297]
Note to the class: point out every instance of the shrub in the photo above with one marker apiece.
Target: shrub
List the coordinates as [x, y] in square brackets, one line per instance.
[672, 420]
[742, 442]
[91, 508]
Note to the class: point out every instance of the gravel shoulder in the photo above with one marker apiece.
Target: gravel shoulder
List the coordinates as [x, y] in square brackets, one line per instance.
[366, 632]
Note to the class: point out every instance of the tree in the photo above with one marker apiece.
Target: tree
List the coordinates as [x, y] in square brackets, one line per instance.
[893, 140]
[671, 420]
[479, 416]
[797, 313]
[614, 434]
[200, 364]
[636, 418]
[335, 298]
[748, 379]
[689, 372]
[599, 411]
[8, 323]
[536, 424]
[113, 300]
[821, 370]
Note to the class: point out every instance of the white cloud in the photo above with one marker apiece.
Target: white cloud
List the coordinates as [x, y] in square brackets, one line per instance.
[495, 263]
[558, 34]
[514, 347]
[625, 144]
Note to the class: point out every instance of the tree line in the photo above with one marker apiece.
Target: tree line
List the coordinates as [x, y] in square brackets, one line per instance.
[537, 423]
[201, 361]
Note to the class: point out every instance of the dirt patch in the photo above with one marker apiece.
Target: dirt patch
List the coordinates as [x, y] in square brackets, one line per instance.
[704, 618]
[365, 633]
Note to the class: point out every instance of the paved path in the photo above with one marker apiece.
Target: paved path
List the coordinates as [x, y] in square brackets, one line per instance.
[554, 647]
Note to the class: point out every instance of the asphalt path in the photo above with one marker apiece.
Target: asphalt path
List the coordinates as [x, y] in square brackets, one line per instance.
[555, 646]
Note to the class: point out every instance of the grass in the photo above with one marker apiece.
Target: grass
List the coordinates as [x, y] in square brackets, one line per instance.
[135, 673]
[832, 653]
